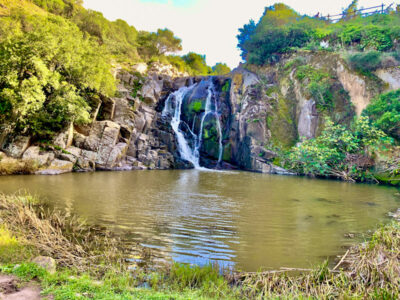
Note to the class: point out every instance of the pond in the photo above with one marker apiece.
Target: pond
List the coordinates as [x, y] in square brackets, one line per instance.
[244, 220]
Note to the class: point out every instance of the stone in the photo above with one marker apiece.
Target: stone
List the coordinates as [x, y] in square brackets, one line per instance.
[87, 160]
[391, 76]
[61, 140]
[74, 151]
[18, 146]
[116, 155]
[47, 263]
[308, 120]
[280, 171]
[107, 143]
[151, 90]
[57, 167]
[123, 114]
[89, 155]
[68, 157]
[79, 140]
[140, 68]
[34, 153]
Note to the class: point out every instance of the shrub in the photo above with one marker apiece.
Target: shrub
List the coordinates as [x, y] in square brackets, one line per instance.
[318, 84]
[337, 152]
[385, 112]
[365, 62]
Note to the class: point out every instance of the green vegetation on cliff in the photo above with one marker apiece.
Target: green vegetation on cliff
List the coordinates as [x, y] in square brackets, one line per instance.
[339, 152]
[282, 30]
[385, 111]
[56, 60]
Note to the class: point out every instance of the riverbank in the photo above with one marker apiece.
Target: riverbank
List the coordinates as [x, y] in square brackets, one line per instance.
[89, 265]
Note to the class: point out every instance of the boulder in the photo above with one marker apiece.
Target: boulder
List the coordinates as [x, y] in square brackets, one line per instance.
[64, 139]
[74, 151]
[47, 263]
[116, 155]
[57, 167]
[123, 113]
[140, 68]
[79, 140]
[87, 160]
[18, 146]
[41, 158]
[151, 90]
[107, 143]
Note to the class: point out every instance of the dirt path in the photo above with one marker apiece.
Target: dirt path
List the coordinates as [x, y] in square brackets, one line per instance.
[11, 289]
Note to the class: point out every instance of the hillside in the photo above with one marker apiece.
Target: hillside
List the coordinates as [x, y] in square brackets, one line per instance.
[58, 59]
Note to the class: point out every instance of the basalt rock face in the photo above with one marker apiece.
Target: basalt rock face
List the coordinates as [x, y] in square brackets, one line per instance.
[251, 113]
[261, 109]
[127, 133]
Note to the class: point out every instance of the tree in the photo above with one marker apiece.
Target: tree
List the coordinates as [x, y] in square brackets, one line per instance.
[197, 63]
[167, 42]
[385, 112]
[350, 11]
[220, 69]
[244, 36]
[333, 152]
[47, 75]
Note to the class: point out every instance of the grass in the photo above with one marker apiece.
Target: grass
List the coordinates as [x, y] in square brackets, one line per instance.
[10, 166]
[367, 271]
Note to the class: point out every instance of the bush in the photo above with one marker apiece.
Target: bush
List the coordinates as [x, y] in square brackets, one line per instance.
[47, 75]
[317, 84]
[337, 152]
[365, 62]
[281, 30]
[385, 112]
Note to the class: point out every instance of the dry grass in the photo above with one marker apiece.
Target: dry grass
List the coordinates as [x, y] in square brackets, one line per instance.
[370, 270]
[10, 166]
[68, 240]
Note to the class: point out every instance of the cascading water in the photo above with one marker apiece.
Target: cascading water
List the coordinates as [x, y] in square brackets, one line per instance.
[173, 108]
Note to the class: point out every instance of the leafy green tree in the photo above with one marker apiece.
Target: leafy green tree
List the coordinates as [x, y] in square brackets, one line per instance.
[220, 69]
[350, 11]
[197, 63]
[336, 152]
[47, 73]
[147, 45]
[167, 42]
[385, 112]
[244, 36]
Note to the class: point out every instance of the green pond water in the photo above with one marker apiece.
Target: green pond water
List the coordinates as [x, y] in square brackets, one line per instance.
[244, 220]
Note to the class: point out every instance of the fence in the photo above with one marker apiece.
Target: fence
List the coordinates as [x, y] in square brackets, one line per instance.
[380, 9]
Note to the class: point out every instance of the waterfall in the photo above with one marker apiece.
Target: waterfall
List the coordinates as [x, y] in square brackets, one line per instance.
[173, 108]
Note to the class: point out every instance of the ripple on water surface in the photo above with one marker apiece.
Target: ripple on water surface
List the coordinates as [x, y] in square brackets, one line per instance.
[241, 219]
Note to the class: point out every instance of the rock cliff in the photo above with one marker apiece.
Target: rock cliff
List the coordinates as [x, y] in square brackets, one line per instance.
[259, 109]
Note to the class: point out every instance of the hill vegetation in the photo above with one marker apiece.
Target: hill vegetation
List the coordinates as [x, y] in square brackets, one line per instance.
[56, 58]
[282, 30]
[366, 43]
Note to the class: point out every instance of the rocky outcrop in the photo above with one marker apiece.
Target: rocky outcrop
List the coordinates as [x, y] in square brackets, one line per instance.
[356, 86]
[391, 76]
[259, 109]
[17, 146]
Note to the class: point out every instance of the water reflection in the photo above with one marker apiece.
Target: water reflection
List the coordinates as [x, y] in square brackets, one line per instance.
[243, 219]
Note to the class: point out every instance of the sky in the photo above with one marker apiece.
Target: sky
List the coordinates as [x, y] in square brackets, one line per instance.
[208, 26]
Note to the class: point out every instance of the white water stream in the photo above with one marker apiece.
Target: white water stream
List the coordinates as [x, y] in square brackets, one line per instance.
[188, 152]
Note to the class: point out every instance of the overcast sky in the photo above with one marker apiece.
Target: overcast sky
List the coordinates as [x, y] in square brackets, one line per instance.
[208, 26]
